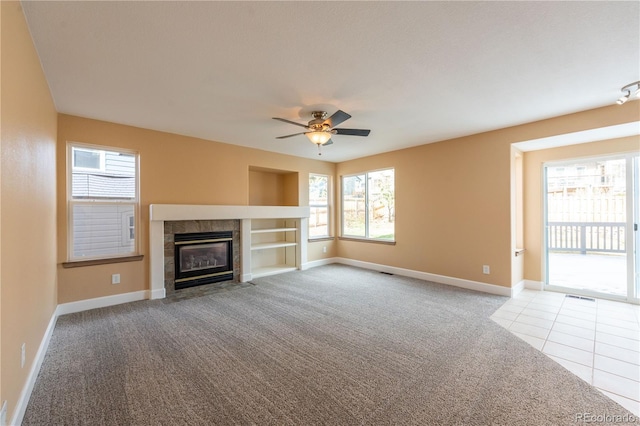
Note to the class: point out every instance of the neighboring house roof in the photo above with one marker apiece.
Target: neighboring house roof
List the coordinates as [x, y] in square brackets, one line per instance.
[100, 185]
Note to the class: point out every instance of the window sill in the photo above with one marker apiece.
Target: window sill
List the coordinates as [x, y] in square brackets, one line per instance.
[105, 261]
[313, 240]
[368, 240]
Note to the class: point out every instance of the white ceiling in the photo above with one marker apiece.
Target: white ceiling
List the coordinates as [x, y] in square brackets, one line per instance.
[412, 72]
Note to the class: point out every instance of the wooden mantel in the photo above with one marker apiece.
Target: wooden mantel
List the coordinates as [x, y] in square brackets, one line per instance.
[159, 213]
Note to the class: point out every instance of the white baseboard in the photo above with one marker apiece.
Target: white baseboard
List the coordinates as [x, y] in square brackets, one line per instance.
[533, 285]
[101, 302]
[517, 288]
[160, 293]
[319, 262]
[25, 395]
[442, 279]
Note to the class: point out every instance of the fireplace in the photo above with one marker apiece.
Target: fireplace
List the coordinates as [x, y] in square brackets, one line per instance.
[203, 258]
[167, 220]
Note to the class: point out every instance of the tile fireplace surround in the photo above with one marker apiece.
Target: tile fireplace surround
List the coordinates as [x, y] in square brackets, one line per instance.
[161, 213]
[171, 228]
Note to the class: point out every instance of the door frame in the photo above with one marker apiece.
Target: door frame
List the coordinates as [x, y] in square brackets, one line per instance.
[632, 237]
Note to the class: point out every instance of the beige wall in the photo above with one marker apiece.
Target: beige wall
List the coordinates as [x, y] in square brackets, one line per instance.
[454, 200]
[266, 189]
[27, 241]
[533, 201]
[451, 199]
[174, 169]
[274, 188]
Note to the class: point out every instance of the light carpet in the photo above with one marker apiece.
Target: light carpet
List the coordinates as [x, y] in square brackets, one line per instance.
[333, 345]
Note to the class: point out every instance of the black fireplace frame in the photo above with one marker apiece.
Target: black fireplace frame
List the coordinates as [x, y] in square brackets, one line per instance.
[185, 279]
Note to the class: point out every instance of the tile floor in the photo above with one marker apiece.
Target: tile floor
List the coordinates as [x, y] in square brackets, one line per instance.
[598, 341]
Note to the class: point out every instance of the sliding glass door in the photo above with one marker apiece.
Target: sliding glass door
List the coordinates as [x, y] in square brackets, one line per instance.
[591, 216]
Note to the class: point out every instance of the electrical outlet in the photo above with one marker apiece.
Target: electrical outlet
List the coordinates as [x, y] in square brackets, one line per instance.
[23, 354]
[324, 249]
[486, 270]
[115, 279]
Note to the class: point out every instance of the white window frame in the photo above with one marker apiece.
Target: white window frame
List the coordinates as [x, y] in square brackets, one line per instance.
[327, 206]
[72, 202]
[367, 206]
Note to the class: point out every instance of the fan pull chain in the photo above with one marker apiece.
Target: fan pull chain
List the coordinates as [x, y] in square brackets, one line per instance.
[319, 152]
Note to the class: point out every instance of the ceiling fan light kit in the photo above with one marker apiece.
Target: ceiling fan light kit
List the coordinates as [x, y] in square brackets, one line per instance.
[320, 129]
[624, 98]
[319, 138]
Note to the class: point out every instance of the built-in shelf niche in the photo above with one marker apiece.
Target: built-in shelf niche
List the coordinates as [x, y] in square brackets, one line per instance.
[274, 246]
[272, 187]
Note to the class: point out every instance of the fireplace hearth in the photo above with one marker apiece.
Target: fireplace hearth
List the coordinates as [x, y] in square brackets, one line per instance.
[203, 258]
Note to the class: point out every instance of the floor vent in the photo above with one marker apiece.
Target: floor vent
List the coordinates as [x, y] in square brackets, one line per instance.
[386, 273]
[573, 296]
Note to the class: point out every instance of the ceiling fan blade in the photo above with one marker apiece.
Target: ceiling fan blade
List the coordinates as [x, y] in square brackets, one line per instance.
[290, 122]
[338, 117]
[352, 132]
[329, 142]
[288, 136]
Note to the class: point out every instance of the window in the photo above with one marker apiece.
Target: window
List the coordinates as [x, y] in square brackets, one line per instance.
[103, 202]
[128, 228]
[319, 206]
[368, 205]
[88, 159]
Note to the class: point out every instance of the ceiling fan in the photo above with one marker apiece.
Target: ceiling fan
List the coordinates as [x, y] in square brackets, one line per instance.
[320, 129]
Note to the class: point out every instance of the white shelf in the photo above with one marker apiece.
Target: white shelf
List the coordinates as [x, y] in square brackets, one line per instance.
[263, 231]
[275, 244]
[271, 270]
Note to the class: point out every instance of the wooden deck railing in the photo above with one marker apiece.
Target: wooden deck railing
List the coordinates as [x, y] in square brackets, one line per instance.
[583, 237]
